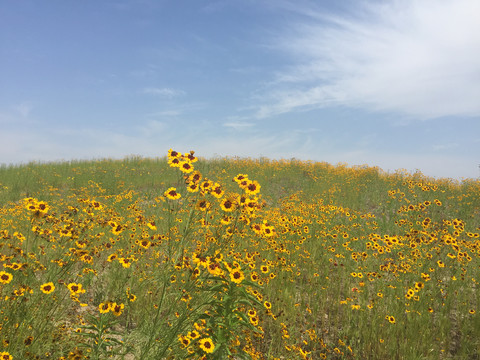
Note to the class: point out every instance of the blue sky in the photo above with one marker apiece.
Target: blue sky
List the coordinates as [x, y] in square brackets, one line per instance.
[394, 84]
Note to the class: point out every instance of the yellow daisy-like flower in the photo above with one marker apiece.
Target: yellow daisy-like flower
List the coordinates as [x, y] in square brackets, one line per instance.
[207, 345]
[227, 205]
[193, 187]
[145, 243]
[172, 194]
[194, 177]
[185, 166]
[117, 309]
[4, 355]
[112, 257]
[252, 187]
[268, 230]
[126, 262]
[47, 288]
[240, 177]
[184, 340]
[217, 191]
[202, 205]
[75, 288]
[237, 276]
[194, 334]
[174, 162]
[152, 225]
[173, 154]
[215, 269]
[5, 277]
[42, 207]
[105, 307]
[116, 228]
[191, 156]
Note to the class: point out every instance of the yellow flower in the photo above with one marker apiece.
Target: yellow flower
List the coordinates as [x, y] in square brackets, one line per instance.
[390, 319]
[116, 228]
[145, 243]
[215, 269]
[126, 262]
[47, 288]
[252, 187]
[174, 162]
[185, 166]
[75, 288]
[5, 277]
[237, 276]
[193, 187]
[105, 307]
[5, 356]
[217, 191]
[185, 340]
[172, 194]
[152, 225]
[202, 205]
[117, 309]
[227, 205]
[240, 177]
[42, 207]
[111, 257]
[190, 156]
[206, 345]
[194, 334]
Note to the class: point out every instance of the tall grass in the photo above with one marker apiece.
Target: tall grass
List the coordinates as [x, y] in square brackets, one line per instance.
[140, 259]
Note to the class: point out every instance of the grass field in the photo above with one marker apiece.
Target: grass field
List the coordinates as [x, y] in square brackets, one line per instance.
[179, 257]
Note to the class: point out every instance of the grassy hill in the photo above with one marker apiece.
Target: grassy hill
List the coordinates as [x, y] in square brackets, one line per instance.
[179, 257]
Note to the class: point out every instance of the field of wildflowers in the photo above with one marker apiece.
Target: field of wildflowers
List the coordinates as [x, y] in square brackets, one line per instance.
[181, 258]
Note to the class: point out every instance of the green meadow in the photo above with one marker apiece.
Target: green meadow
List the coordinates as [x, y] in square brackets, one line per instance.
[180, 257]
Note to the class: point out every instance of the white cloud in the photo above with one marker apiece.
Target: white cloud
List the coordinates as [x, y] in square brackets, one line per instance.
[23, 109]
[419, 58]
[238, 125]
[163, 92]
[448, 146]
[166, 113]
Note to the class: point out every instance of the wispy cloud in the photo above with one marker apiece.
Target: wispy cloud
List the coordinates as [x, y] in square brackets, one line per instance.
[448, 146]
[166, 113]
[23, 109]
[417, 58]
[163, 92]
[19, 113]
[238, 125]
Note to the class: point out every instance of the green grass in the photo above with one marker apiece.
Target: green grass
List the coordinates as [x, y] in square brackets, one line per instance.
[348, 244]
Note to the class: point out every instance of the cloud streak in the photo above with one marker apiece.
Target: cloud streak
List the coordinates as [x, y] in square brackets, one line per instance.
[416, 58]
[163, 92]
